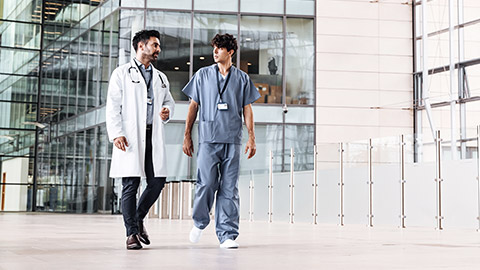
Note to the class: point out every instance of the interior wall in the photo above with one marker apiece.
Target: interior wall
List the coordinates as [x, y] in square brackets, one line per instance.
[364, 70]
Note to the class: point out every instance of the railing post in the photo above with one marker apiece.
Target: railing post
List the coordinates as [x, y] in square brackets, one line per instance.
[478, 175]
[251, 187]
[370, 185]
[315, 185]
[180, 200]
[170, 200]
[341, 184]
[402, 182]
[291, 186]
[270, 189]
[438, 178]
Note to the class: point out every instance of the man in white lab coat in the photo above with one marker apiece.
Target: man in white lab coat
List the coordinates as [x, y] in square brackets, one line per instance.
[139, 103]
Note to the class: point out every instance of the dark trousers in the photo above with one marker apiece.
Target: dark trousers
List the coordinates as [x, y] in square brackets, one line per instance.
[133, 214]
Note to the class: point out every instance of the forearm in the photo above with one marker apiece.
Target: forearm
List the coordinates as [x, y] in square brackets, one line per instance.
[248, 116]
[191, 117]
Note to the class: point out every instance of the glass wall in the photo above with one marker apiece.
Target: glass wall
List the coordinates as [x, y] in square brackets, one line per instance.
[20, 33]
[452, 94]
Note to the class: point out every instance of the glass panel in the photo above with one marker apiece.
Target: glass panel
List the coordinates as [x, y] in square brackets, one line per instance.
[174, 59]
[261, 44]
[299, 62]
[301, 139]
[301, 7]
[18, 88]
[27, 11]
[215, 6]
[21, 35]
[16, 142]
[131, 21]
[472, 78]
[205, 27]
[471, 10]
[15, 114]
[273, 6]
[439, 87]
[472, 119]
[133, 3]
[177, 163]
[101, 173]
[471, 41]
[178, 4]
[19, 62]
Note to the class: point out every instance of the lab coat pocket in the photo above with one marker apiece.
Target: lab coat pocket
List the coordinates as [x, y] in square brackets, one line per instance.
[206, 131]
[130, 129]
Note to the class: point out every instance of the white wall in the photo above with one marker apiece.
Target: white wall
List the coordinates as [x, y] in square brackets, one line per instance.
[364, 69]
[15, 195]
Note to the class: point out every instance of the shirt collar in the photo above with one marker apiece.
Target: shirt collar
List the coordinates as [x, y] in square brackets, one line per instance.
[142, 65]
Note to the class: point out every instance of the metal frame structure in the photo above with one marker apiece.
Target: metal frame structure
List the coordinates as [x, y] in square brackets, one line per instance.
[459, 94]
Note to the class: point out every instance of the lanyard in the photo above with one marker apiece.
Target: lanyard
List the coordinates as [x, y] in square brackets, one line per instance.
[151, 75]
[220, 92]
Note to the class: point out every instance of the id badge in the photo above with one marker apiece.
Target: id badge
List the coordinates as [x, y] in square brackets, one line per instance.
[149, 101]
[222, 106]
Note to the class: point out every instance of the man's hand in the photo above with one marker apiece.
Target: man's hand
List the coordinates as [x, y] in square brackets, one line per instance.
[165, 114]
[121, 143]
[188, 146]
[252, 147]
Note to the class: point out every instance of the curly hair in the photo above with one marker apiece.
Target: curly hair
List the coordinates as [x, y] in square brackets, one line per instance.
[226, 41]
[144, 36]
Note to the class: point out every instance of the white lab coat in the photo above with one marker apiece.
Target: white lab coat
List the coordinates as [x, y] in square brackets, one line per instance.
[126, 115]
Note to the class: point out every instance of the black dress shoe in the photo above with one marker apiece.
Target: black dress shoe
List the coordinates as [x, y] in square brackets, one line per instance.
[133, 243]
[143, 235]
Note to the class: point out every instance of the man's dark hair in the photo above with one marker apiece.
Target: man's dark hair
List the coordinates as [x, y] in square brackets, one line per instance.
[144, 36]
[226, 41]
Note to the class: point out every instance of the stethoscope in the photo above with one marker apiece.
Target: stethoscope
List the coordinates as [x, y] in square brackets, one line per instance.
[138, 81]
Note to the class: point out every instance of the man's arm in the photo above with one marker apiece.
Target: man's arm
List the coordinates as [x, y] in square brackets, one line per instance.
[168, 105]
[191, 117]
[114, 112]
[248, 115]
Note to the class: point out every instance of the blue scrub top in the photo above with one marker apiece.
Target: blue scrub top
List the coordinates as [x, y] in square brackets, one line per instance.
[221, 126]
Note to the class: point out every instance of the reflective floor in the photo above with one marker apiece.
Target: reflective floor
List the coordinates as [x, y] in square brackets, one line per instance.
[64, 241]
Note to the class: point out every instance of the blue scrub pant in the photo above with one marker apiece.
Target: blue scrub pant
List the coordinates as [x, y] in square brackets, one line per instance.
[218, 165]
[133, 214]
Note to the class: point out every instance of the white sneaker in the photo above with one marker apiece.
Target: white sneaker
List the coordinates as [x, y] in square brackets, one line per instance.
[229, 243]
[195, 234]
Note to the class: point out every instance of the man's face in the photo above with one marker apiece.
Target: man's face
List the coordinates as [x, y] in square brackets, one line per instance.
[221, 54]
[151, 49]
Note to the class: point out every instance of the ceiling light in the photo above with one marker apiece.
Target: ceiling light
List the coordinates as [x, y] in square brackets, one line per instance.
[188, 63]
[202, 58]
[176, 68]
[249, 63]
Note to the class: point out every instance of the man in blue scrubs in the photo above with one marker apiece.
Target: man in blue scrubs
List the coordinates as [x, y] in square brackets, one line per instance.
[220, 93]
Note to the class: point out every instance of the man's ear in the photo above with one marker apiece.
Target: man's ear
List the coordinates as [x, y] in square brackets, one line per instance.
[231, 52]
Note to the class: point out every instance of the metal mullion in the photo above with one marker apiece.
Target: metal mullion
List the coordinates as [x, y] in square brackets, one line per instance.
[453, 125]
[19, 102]
[315, 72]
[284, 81]
[19, 49]
[24, 22]
[239, 19]
[40, 68]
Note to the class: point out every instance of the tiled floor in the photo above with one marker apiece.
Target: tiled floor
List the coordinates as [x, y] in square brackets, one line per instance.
[65, 241]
